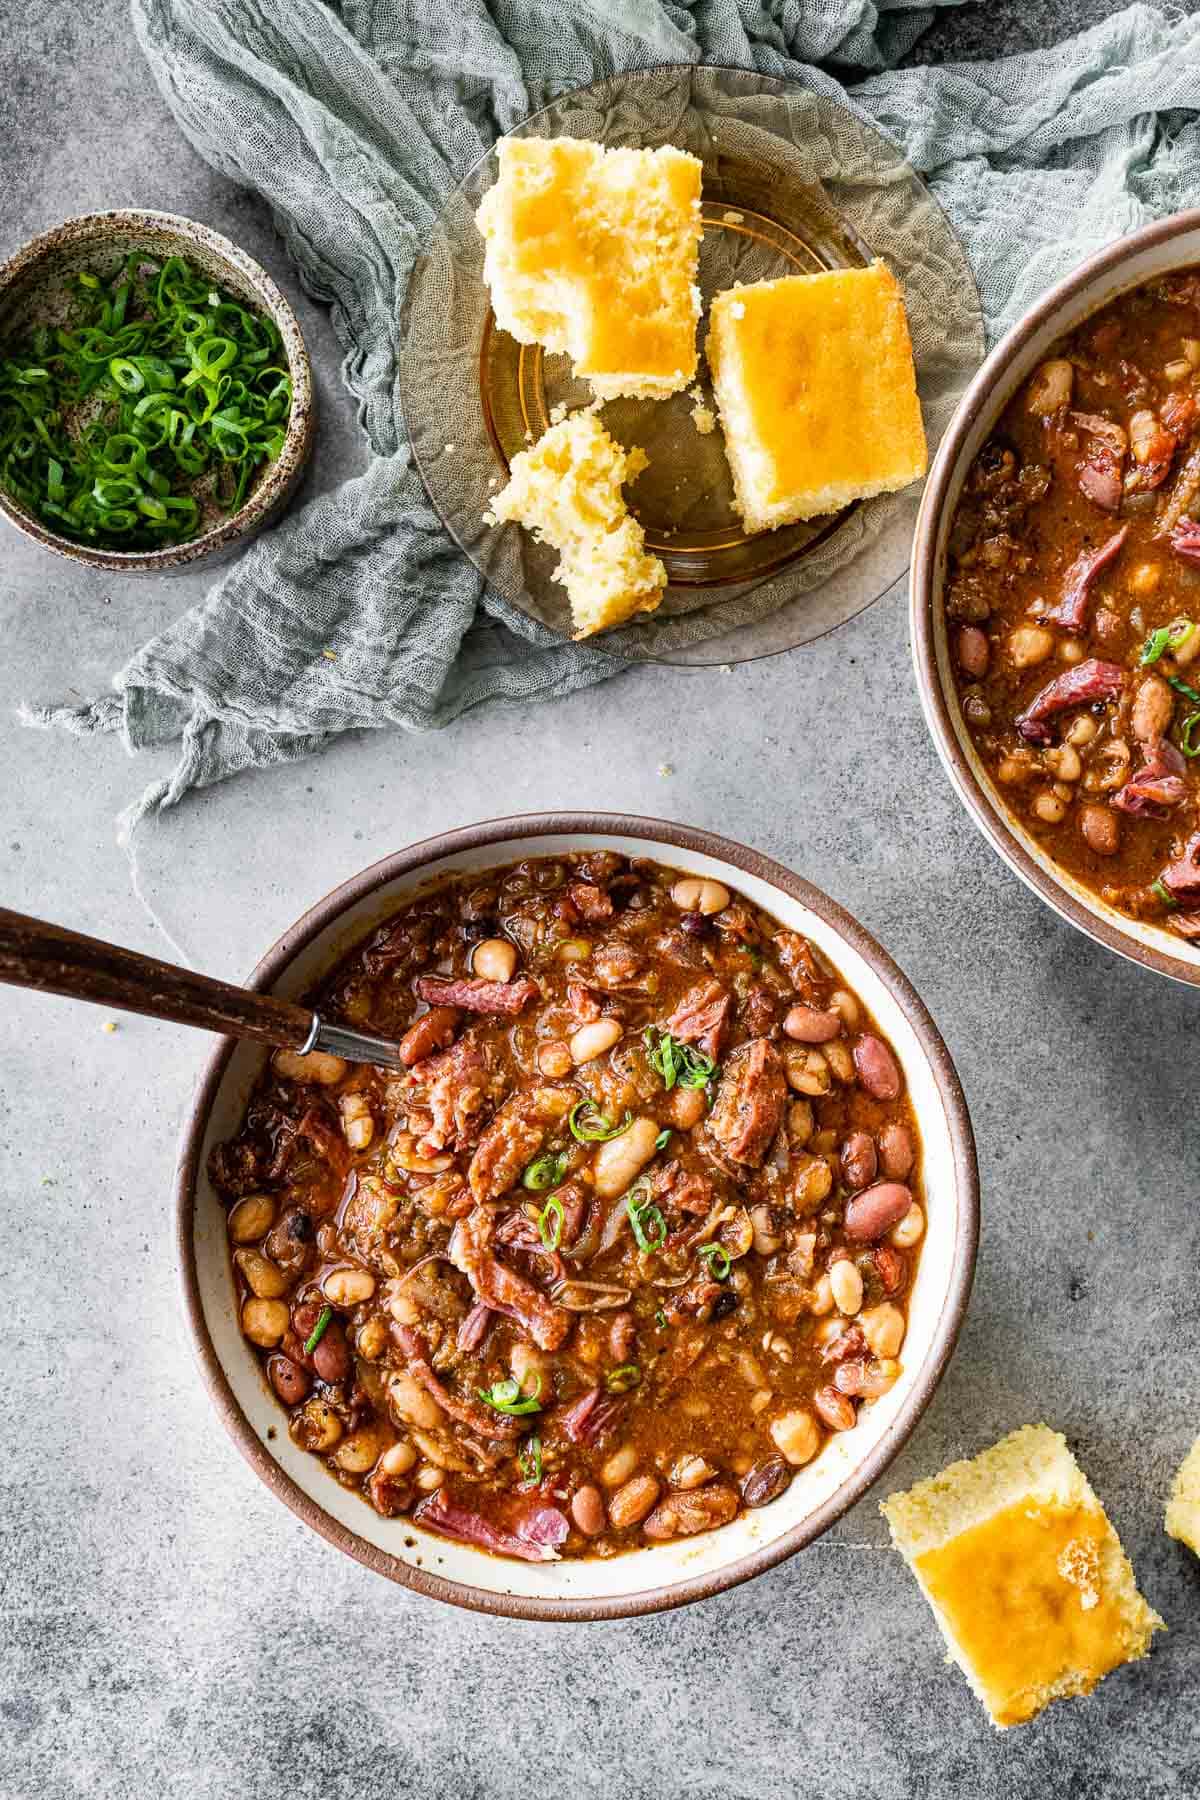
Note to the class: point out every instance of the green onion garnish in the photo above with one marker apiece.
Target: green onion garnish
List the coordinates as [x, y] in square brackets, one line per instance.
[717, 1259]
[545, 1172]
[318, 1330]
[660, 1319]
[1155, 646]
[677, 1063]
[1167, 898]
[507, 1397]
[619, 1381]
[589, 1125]
[154, 381]
[662, 1140]
[1181, 687]
[550, 1223]
[530, 1459]
[642, 1215]
[1187, 731]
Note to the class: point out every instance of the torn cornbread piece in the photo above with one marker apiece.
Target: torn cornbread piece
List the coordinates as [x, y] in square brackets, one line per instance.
[567, 491]
[814, 381]
[1025, 1575]
[1183, 1510]
[592, 253]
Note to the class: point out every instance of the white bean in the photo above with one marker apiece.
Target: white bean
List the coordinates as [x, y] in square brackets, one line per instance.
[694, 894]
[623, 1158]
[592, 1040]
[264, 1321]
[318, 1065]
[495, 959]
[251, 1218]
[347, 1287]
[797, 1436]
[846, 1284]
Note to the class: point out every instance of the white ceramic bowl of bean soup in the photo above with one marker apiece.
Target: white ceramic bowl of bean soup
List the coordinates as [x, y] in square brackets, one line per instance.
[1160, 249]
[660, 1575]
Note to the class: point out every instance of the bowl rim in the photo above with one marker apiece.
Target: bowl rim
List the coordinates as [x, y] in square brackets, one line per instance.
[279, 476]
[985, 810]
[512, 830]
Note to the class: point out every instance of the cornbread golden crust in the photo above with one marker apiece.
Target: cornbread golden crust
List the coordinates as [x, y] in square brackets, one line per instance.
[1183, 1512]
[814, 380]
[1025, 1575]
[592, 253]
[567, 491]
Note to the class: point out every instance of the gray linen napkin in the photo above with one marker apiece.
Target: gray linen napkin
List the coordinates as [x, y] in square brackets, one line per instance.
[355, 123]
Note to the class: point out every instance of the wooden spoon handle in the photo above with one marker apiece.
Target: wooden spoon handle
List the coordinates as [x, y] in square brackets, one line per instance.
[35, 954]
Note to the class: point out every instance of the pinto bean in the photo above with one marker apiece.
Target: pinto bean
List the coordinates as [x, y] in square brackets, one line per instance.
[870, 1214]
[1101, 829]
[587, 1510]
[897, 1152]
[859, 1160]
[876, 1067]
[810, 1025]
[1153, 709]
[631, 1502]
[834, 1409]
[622, 1336]
[766, 1481]
[434, 1030]
[290, 1381]
[973, 650]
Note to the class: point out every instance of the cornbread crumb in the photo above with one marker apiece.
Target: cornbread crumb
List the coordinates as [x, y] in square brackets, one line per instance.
[1183, 1512]
[567, 491]
[814, 381]
[110, 1025]
[703, 417]
[1025, 1574]
[558, 413]
[592, 253]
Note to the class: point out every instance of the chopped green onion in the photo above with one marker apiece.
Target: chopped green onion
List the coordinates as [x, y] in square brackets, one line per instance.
[717, 1259]
[589, 1125]
[545, 1172]
[1187, 732]
[550, 1223]
[318, 1330]
[507, 1397]
[1155, 646]
[1167, 898]
[530, 1459]
[94, 398]
[1181, 687]
[620, 1381]
[663, 1139]
[643, 1214]
[660, 1319]
[677, 1063]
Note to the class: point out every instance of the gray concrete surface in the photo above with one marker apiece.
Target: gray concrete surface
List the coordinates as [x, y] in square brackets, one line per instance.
[166, 1629]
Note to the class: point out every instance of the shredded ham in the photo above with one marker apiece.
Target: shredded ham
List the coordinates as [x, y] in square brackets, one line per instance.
[501, 1287]
[538, 1544]
[1070, 610]
[1087, 681]
[1158, 785]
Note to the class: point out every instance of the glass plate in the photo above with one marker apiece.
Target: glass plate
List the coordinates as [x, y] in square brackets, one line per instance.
[793, 182]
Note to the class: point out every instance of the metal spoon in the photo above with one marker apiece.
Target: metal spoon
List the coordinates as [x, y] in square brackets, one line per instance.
[36, 954]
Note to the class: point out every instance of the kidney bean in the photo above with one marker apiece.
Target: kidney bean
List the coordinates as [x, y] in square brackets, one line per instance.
[876, 1067]
[973, 652]
[622, 1336]
[858, 1160]
[587, 1510]
[876, 1210]
[331, 1356]
[290, 1381]
[434, 1030]
[891, 1268]
[1101, 828]
[809, 1025]
[766, 1481]
[834, 1409]
[632, 1501]
[897, 1152]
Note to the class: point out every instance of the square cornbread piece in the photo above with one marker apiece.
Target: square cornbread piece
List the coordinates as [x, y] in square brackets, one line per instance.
[814, 380]
[1183, 1512]
[592, 253]
[1025, 1575]
[567, 491]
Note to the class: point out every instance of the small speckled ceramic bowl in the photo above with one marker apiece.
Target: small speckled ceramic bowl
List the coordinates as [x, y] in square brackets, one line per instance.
[30, 285]
[661, 1575]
